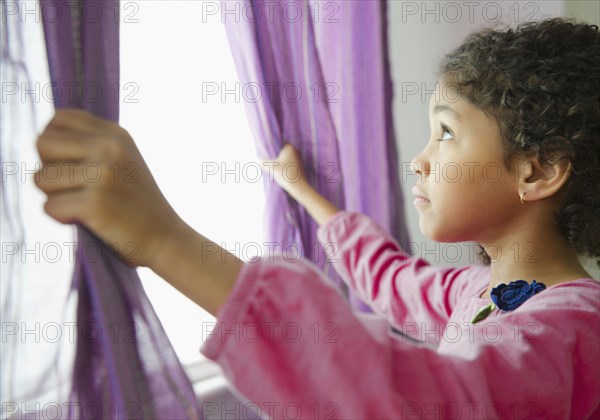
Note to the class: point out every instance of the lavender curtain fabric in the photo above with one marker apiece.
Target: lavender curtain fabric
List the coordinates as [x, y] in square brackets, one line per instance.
[125, 366]
[323, 71]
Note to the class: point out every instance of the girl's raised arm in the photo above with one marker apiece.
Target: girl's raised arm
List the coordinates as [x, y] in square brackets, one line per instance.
[414, 296]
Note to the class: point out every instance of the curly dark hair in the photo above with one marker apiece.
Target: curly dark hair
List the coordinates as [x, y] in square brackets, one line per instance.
[541, 83]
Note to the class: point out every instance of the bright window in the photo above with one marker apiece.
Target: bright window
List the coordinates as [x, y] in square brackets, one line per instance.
[196, 141]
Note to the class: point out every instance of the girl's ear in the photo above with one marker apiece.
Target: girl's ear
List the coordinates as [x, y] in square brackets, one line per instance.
[540, 181]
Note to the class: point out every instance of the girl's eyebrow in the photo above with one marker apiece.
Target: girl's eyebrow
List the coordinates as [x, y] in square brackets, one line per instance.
[441, 108]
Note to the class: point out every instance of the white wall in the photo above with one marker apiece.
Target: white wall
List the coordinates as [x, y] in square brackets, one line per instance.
[420, 33]
[585, 10]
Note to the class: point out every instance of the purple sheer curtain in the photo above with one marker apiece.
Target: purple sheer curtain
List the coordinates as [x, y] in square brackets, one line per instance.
[125, 366]
[323, 71]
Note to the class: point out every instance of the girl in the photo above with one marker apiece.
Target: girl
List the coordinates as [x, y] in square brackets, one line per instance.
[466, 342]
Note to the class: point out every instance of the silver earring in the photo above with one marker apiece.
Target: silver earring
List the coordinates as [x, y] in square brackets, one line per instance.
[521, 197]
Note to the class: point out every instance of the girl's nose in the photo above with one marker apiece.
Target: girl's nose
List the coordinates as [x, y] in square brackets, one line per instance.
[419, 166]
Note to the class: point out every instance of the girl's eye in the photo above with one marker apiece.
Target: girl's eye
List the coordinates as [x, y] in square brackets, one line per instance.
[445, 131]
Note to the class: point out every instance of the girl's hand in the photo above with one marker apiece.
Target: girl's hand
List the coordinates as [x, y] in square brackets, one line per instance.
[93, 173]
[288, 172]
[287, 169]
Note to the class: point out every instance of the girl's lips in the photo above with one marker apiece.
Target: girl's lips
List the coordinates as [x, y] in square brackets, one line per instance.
[419, 201]
[419, 197]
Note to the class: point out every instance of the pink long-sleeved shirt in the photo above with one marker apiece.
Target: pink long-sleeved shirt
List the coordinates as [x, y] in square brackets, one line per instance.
[290, 343]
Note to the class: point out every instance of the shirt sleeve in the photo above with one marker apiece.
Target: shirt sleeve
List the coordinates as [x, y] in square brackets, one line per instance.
[410, 293]
[291, 345]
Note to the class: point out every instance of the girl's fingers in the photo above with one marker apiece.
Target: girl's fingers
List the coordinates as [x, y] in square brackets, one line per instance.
[67, 206]
[72, 134]
[58, 145]
[76, 119]
[62, 176]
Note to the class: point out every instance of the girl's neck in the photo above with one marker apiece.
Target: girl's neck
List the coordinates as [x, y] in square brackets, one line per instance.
[546, 257]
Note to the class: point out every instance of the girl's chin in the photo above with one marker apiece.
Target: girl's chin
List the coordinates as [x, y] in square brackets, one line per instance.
[438, 233]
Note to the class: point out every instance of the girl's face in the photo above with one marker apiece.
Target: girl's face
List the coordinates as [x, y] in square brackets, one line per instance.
[471, 195]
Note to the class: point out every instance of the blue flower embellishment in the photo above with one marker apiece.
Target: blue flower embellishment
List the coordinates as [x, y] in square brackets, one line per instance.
[509, 298]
